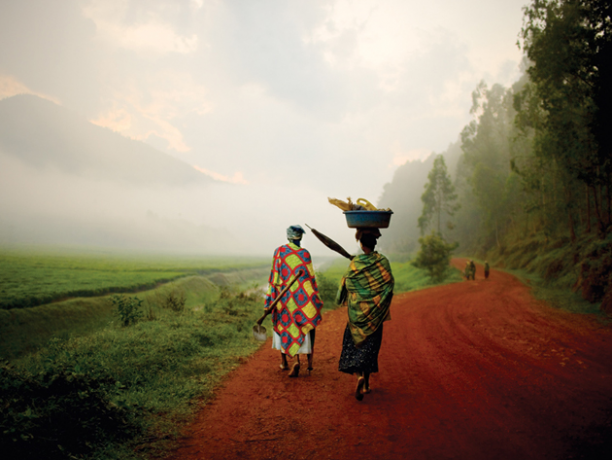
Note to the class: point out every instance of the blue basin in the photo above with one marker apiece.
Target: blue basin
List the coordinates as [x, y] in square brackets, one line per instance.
[368, 219]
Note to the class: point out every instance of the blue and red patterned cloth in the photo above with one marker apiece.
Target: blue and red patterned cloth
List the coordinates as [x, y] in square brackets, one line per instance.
[299, 310]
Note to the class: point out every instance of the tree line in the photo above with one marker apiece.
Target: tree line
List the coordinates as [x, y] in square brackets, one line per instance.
[536, 157]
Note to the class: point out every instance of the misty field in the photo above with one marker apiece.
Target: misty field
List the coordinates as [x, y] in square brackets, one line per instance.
[31, 278]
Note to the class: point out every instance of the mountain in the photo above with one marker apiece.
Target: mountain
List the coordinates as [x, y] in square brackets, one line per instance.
[46, 135]
[65, 181]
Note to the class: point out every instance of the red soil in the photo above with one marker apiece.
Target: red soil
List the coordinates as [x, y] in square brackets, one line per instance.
[472, 370]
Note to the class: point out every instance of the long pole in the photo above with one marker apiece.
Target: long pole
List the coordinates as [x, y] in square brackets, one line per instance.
[269, 309]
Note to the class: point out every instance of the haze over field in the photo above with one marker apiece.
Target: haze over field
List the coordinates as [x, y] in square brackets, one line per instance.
[239, 118]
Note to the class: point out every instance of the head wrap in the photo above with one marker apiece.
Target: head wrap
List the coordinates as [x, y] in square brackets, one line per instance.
[295, 232]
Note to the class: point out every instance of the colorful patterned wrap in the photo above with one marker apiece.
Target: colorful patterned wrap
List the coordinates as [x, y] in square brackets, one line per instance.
[367, 289]
[299, 310]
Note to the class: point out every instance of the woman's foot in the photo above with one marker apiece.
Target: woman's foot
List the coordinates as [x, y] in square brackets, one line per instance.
[359, 389]
[284, 367]
[366, 390]
[295, 370]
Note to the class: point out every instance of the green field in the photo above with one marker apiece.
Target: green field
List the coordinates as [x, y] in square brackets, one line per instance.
[31, 278]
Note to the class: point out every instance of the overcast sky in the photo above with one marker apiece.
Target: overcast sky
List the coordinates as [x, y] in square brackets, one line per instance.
[291, 101]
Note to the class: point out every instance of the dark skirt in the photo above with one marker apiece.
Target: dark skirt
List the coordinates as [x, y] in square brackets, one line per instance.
[363, 359]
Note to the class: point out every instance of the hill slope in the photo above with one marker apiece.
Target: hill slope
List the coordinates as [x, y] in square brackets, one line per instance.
[66, 181]
[46, 135]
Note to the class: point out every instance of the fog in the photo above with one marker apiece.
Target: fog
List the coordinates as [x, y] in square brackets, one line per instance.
[278, 104]
[47, 206]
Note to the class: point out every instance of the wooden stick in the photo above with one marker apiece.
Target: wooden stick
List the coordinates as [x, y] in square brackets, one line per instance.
[269, 309]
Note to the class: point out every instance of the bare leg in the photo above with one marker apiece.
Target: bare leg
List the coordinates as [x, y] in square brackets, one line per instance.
[366, 387]
[295, 370]
[311, 354]
[284, 365]
[360, 385]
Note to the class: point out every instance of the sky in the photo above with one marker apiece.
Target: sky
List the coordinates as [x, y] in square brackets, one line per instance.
[283, 102]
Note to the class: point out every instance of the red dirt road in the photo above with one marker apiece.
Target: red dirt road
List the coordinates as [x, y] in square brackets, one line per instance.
[472, 370]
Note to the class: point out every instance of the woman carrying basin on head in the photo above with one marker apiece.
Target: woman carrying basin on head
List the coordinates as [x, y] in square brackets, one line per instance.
[366, 289]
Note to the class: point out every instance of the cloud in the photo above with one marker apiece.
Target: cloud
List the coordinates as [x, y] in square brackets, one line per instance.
[10, 86]
[237, 178]
[150, 107]
[151, 34]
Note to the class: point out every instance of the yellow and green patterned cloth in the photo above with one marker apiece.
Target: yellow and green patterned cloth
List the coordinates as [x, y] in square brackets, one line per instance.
[367, 289]
[299, 310]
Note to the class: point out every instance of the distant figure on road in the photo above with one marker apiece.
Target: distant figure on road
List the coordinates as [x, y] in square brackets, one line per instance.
[298, 313]
[486, 269]
[467, 272]
[472, 269]
[366, 289]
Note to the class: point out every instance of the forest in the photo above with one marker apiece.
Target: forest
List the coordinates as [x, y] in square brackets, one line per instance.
[531, 173]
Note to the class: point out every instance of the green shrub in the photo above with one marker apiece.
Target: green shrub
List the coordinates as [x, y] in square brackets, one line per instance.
[175, 300]
[58, 414]
[434, 256]
[129, 309]
[327, 289]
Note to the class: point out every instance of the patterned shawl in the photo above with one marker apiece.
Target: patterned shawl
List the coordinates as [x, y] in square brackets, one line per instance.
[367, 289]
[299, 310]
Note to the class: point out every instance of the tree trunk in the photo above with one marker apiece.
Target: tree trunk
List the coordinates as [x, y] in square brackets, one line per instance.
[588, 199]
[569, 213]
[597, 206]
[609, 220]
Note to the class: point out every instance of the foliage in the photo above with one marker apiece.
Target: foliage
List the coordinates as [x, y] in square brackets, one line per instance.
[411, 278]
[434, 256]
[568, 103]
[438, 198]
[59, 413]
[403, 196]
[128, 308]
[487, 186]
[328, 287]
[174, 300]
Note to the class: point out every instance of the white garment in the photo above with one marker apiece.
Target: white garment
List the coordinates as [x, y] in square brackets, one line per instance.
[305, 349]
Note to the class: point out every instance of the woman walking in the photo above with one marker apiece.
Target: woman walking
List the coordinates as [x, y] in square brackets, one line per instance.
[298, 312]
[366, 289]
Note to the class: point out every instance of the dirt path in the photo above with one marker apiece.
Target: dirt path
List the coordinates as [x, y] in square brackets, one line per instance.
[473, 370]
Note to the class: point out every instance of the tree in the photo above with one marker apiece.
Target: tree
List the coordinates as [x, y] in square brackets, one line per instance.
[438, 198]
[434, 256]
[568, 103]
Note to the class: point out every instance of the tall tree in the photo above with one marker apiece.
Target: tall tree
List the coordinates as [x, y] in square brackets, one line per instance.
[439, 197]
[568, 103]
[486, 144]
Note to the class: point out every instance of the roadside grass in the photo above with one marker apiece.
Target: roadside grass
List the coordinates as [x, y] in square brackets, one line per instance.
[148, 377]
[558, 296]
[553, 268]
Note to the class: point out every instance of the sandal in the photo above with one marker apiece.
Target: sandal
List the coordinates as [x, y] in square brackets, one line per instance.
[284, 367]
[367, 390]
[295, 370]
[358, 390]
